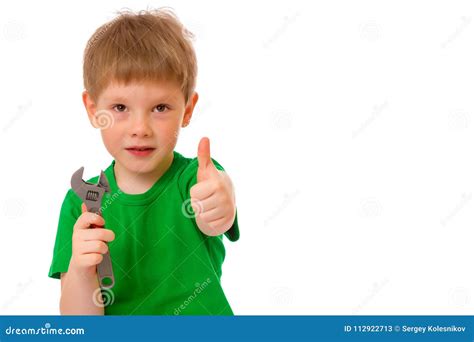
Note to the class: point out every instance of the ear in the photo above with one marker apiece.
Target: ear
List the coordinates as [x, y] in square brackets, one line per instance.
[188, 112]
[90, 106]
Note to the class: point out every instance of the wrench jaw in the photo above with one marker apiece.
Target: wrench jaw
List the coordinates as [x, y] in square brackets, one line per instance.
[77, 183]
[103, 182]
[91, 194]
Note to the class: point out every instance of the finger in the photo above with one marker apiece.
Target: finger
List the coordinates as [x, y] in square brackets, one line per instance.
[84, 209]
[101, 234]
[218, 223]
[212, 215]
[96, 246]
[87, 219]
[206, 205]
[203, 190]
[92, 258]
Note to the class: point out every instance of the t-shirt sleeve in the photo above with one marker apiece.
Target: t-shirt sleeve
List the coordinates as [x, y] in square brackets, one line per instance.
[70, 211]
[188, 178]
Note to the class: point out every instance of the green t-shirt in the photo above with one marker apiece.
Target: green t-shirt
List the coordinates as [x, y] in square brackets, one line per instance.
[163, 264]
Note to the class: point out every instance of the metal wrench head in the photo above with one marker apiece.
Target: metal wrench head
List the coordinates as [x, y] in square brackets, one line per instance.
[91, 194]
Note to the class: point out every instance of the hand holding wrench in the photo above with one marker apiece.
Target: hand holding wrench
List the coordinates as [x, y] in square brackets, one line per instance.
[91, 195]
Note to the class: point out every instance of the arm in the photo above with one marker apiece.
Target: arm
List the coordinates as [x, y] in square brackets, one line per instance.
[77, 292]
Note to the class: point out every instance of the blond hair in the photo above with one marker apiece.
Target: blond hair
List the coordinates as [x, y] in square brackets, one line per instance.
[150, 45]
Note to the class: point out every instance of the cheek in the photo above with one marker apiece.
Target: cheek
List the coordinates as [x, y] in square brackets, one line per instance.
[167, 129]
[167, 136]
[112, 140]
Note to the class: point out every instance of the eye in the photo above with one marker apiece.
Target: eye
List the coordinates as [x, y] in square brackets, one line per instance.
[119, 108]
[161, 108]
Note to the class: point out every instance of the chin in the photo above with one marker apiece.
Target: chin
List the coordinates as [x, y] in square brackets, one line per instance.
[143, 167]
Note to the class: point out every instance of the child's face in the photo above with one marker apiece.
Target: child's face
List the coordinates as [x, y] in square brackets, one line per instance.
[137, 116]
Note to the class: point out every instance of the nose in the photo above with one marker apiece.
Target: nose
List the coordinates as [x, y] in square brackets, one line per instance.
[140, 125]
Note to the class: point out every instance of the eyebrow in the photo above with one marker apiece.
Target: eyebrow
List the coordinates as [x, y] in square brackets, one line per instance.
[119, 99]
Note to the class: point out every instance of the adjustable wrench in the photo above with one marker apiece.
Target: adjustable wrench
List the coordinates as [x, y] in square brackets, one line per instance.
[91, 195]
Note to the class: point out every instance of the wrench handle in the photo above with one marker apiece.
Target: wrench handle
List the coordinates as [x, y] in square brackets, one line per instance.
[104, 269]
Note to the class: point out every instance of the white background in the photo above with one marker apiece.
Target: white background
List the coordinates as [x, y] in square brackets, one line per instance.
[347, 128]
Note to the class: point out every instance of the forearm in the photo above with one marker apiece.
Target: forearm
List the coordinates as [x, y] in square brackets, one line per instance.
[77, 293]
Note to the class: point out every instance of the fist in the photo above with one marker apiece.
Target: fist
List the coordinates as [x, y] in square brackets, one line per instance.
[88, 244]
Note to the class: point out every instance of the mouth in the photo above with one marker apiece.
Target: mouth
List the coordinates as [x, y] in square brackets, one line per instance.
[140, 151]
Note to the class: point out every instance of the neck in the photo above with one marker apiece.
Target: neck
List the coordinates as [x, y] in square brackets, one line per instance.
[137, 183]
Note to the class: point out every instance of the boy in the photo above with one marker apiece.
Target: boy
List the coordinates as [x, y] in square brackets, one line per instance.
[139, 77]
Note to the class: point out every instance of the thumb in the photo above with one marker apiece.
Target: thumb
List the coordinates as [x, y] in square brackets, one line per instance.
[83, 208]
[206, 167]
[204, 153]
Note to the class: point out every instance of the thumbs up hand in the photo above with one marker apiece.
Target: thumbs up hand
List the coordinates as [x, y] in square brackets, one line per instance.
[212, 197]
